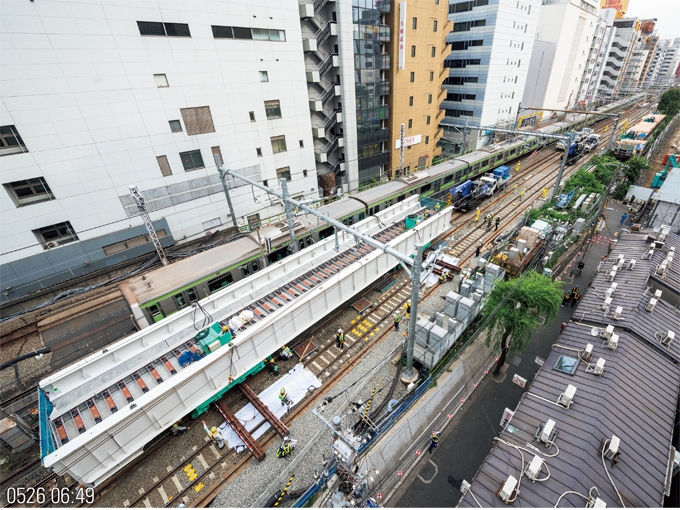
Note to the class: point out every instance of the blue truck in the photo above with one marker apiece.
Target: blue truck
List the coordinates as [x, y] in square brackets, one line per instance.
[468, 194]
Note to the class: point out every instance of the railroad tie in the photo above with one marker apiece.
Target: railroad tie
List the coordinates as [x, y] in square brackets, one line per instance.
[240, 430]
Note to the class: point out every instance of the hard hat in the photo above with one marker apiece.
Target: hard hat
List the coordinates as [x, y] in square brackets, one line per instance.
[214, 429]
[340, 330]
[283, 391]
[285, 438]
[409, 302]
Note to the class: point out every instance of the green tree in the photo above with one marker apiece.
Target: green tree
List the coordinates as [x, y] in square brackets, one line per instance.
[520, 301]
[669, 104]
[635, 167]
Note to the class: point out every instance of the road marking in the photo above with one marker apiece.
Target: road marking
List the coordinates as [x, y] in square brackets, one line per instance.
[436, 470]
[161, 491]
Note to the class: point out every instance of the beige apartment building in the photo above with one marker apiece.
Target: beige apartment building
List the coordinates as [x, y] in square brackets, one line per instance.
[418, 49]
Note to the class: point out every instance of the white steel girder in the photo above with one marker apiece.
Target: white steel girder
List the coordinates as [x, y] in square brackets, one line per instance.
[104, 449]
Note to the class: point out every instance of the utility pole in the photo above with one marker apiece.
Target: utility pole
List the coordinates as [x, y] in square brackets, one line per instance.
[519, 108]
[226, 188]
[141, 206]
[611, 138]
[289, 214]
[415, 293]
[556, 190]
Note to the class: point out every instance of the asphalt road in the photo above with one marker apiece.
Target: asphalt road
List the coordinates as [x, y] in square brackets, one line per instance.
[465, 443]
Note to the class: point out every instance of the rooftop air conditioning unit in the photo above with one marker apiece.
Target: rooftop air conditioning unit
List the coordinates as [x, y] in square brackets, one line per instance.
[612, 448]
[598, 503]
[547, 432]
[587, 352]
[507, 489]
[668, 339]
[567, 397]
[648, 254]
[617, 314]
[606, 304]
[464, 487]
[620, 259]
[631, 264]
[650, 306]
[612, 342]
[534, 468]
[599, 366]
[657, 294]
[613, 287]
[607, 332]
[661, 270]
[611, 275]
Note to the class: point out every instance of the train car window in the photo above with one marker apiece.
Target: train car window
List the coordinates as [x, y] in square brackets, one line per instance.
[389, 203]
[191, 294]
[448, 178]
[499, 157]
[376, 209]
[180, 300]
[350, 220]
[327, 232]
[309, 240]
[413, 192]
[361, 216]
[485, 162]
[220, 282]
[425, 188]
[246, 270]
[345, 221]
[400, 198]
[156, 313]
[255, 266]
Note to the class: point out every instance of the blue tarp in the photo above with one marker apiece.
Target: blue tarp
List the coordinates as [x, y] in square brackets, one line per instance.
[45, 407]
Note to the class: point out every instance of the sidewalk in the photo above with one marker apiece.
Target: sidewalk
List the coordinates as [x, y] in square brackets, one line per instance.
[465, 443]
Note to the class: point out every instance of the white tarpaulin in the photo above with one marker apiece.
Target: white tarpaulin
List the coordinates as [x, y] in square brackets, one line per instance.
[639, 193]
[296, 382]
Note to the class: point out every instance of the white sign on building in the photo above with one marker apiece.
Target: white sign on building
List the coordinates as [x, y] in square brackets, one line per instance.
[409, 140]
[402, 36]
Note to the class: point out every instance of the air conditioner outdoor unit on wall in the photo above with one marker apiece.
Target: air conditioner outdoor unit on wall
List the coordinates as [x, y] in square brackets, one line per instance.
[631, 264]
[613, 342]
[617, 314]
[567, 397]
[607, 332]
[668, 339]
[507, 489]
[650, 306]
[612, 448]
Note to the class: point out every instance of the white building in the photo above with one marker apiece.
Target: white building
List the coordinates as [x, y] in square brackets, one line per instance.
[491, 45]
[564, 39]
[657, 60]
[618, 56]
[636, 64]
[100, 96]
[670, 63]
[602, 43]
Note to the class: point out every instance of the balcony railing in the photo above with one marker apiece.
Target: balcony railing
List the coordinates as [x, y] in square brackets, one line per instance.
[382, 88]
[381, 135]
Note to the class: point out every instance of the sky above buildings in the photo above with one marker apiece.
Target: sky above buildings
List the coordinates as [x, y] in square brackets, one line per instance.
[667, 13]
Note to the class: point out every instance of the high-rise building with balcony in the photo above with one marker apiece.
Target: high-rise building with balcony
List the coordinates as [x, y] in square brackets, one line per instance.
[603, 38]
[491, 43]
[669, 65]
[618, 57]
[657, 60]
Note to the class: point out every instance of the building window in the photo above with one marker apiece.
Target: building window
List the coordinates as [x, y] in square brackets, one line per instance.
[427, 140]
[161, 80]
[252, 116]
[175, 126]
[413, 76]
[264, 77]
[464, 45]
[434, 51]
[415, 23]
[429, 99]
[428, 119]
[259, 151]
[163, 29]
[257, 34]
[279, 144]
[431, 75]
[192, 160]
[304, 174]
[217, 152]
[29, 191]
[410, 123]
[197, 120]
[302, 144]
[283, 173]
[164, 165]
[56, 235]
[10, 141]
[413, 51]
[434, 26]
[410, 101]
[273, 109]
[566, 364]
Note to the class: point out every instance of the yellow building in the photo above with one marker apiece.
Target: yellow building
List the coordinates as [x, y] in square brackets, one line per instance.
[417, 50]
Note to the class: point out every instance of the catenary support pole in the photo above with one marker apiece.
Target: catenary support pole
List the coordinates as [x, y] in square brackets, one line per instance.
[415, 292]
[358, 235]
[226, 188]
[556, 190]
[611, 138]
[289, 214]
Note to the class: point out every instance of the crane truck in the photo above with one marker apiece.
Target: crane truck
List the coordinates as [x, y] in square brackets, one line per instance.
[468, 194]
